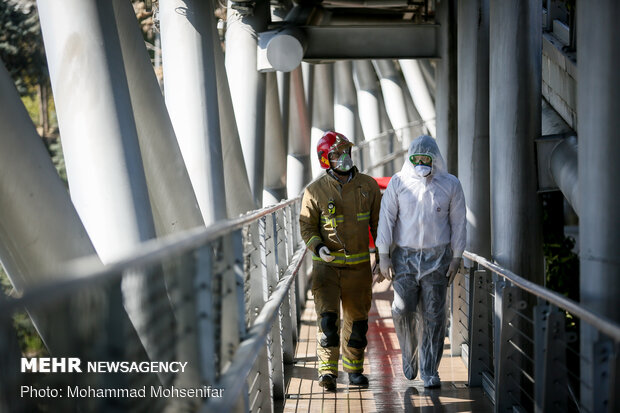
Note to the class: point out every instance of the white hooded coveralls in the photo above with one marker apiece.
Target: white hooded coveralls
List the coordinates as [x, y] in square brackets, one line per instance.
[423, 221]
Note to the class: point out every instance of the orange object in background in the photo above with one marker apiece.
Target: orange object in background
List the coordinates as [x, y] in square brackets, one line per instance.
[383, 183]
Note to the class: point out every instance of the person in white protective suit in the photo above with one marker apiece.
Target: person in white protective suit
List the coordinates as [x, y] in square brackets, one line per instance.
[422, 223]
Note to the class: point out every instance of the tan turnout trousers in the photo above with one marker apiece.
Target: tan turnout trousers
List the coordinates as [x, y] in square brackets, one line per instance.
[351, 286]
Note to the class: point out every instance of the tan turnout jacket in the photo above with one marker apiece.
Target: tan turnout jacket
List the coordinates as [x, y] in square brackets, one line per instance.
[343, 228]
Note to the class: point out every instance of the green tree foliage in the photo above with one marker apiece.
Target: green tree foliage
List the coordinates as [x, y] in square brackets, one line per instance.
[21, 44]
[29, 341]
[561, 263]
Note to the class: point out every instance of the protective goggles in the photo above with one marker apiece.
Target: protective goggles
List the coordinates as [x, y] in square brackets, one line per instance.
[337, 152]
[419, 159]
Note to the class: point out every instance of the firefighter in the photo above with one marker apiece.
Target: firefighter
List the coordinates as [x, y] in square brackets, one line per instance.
[337, 210]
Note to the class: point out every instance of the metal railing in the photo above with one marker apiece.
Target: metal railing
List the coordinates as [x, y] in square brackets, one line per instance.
[236, 323]
[383, 155]
[530, 348]
[249, 279]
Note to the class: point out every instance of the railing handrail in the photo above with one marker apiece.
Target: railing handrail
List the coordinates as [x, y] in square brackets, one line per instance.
[385, 133]
[81, 271]
[246, 354]
[78, 272]
[600, 322]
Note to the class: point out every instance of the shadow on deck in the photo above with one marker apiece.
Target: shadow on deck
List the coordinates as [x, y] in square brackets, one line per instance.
[389, 390]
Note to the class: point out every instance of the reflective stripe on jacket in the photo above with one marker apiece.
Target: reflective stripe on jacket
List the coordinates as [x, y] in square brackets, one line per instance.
[343, 229]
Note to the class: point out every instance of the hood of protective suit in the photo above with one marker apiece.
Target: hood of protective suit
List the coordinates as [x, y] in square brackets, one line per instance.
[424, 145]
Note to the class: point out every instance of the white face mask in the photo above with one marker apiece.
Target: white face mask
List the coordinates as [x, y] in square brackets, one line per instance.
[422, 170]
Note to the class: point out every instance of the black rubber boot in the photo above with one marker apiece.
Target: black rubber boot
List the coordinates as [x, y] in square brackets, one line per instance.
[358, 379]
[328, 381]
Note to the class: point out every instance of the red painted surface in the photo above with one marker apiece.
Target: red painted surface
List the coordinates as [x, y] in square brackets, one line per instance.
[383, 183]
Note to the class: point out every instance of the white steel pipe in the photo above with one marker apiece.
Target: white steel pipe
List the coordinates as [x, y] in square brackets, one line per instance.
[100, 143]
[166, 174]
[563, 168]
[191, 97]
[473, 121]
[101, 149]
[323, 108]
[345, 100]
[298, 171]
[247, 88]
[394, 98]
[239, 199]
[446, 95]
[598, 88]
[368, 97]
[515, 101]
[276, 146]
[420, 93]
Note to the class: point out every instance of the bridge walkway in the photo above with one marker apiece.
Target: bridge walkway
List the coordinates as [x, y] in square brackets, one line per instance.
[389, 390]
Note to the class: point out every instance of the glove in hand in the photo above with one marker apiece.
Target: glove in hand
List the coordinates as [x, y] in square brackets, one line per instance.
[453, 269]
[385, 266]
[325, 254]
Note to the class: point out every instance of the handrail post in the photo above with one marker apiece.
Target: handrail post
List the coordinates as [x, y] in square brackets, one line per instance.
[499, 283]
[479, 322]
[459, 303]
[614, 380]
[602, 356]
[292, 245]
[507, 377]
[541, 317]
[551, 392]
[259, 380]
[203, 280]
[232, 299]
[289, 324]
[274, 339]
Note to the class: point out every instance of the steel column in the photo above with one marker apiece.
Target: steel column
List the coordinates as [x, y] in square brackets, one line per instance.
[276, 146]
[420, 93]
[322, 110]
[284, 98]
[563, 166]
[101, 149]
[446, 96]
[100, 143]
[247, 87]
[515, 101]
[239, 199]
[473, 121]
[191, 97]
[598, 88]
[345, 100]
[298, 172]
[167, 179]
[166, 175]
[369, 110]
[391, 84]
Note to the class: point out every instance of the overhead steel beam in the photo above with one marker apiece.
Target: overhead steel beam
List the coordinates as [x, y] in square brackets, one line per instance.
[398, 41]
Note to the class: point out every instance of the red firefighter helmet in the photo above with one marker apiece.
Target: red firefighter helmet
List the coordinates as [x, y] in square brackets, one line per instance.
[330, 142]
